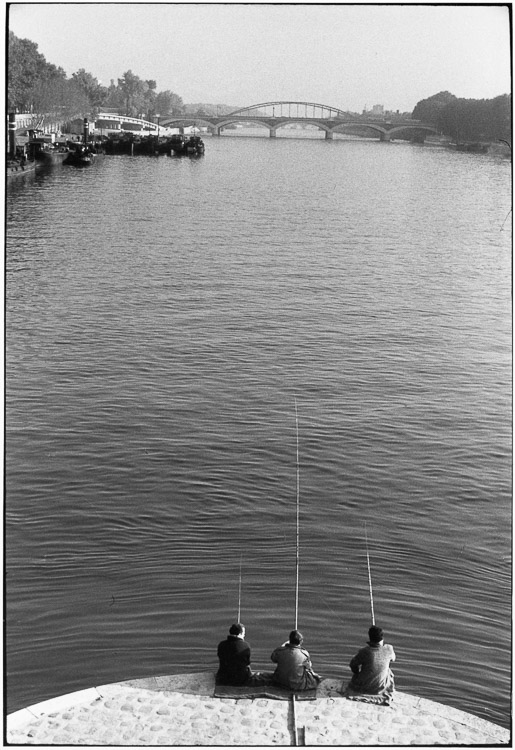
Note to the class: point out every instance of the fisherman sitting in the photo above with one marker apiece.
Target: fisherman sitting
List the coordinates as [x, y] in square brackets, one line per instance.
[234, 658]
[372, 680]
[294, 669]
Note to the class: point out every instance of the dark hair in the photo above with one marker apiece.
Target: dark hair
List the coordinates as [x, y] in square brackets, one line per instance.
[296, 638]
[236, 629]
[375, 634]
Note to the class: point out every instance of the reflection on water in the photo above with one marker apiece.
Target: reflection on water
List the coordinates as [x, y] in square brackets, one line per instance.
[162, 317]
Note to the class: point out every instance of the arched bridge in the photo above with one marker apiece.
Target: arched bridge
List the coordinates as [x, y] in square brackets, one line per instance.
[275, 115]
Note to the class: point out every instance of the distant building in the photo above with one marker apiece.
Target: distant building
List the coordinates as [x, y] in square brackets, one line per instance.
[377, 110]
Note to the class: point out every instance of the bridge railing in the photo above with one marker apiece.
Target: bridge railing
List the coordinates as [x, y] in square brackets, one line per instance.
[107, 121]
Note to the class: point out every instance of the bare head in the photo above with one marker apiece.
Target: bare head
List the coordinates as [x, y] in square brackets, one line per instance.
[237, 629]
[375, 634]
[296, 638]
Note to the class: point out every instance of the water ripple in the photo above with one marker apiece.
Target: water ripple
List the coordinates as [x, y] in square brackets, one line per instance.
[162, 317]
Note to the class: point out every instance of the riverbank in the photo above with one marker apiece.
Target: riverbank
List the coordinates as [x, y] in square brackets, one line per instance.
[181, 710]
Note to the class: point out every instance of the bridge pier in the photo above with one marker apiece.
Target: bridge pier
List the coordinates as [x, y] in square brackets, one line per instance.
[385, 137]
[329, 135]
[273, 132]
[215, 131]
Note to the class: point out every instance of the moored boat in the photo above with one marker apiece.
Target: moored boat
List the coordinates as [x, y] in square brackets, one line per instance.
[180, 145]
[195, 145]
[133, 145]
[17, 161]
[79, 155]
[48, 153]
[19, 167]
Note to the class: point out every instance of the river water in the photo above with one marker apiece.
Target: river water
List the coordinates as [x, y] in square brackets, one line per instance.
[163, 318]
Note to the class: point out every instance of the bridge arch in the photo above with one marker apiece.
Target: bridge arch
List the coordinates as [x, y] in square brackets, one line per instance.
[234, 120]
[425, 128]
[362, 126]
[272, 126]
[181, 120]
[292, 110]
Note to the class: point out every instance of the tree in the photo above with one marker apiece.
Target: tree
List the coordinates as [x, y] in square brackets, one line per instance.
[168, 103]
[133, 89]
[38, 86]
[150, 98]
[27, 68]
[115, 97]
[428, 110]
[477, 119]
[501, 115]
[92, 88]
[57, 100]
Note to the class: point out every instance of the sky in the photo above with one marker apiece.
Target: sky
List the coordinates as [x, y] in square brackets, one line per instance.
[341, 55]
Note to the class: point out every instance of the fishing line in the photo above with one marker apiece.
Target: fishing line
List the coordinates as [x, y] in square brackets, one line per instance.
[338, 617]
[504, 222]
[502, 140]
[369, 578]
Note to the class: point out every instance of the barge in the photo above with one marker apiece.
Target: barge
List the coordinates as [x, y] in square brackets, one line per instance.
[19, 166]
[79, 155]
[47, 153]
[181, 145]
[151, 145]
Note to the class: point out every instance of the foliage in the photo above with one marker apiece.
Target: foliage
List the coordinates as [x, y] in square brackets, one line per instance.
[133, 90]
[114, 98]
[27, 72]
[169, 103]
[93, 90]
[428, 110]
[34, 85]
[210, 109]
[56, 100]
[477, 119]
[467, 119]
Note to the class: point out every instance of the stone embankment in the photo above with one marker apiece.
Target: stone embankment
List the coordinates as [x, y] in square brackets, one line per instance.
[181, 710]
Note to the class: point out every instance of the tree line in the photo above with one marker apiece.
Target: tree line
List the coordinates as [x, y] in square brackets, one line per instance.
[37, 86]
[467, 119]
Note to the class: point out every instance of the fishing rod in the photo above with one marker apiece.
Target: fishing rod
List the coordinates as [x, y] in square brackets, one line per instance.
[369, 577]
[296, 738]
[298, 516]
[239, 592]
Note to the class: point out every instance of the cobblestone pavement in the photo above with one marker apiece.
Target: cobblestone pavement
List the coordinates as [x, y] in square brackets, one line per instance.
[181, 710]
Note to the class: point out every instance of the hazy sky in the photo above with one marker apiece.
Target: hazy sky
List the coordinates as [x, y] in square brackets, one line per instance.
[342, 55]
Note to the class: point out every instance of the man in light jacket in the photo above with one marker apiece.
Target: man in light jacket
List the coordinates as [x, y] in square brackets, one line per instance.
[372, 679]
[294, 669]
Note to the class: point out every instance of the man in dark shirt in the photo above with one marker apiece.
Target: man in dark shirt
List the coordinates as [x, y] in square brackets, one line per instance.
[234, 657]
